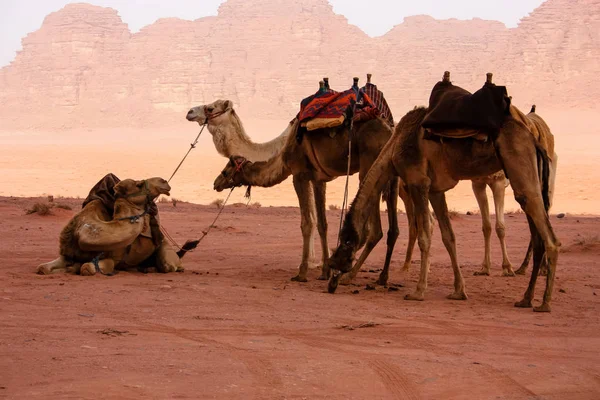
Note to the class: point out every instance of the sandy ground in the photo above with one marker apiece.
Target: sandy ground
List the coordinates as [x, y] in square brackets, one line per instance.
[68, 163]
[233, 326]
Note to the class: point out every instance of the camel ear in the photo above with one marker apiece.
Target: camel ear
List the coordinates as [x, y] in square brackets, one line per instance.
[119, 189]
[227, 105]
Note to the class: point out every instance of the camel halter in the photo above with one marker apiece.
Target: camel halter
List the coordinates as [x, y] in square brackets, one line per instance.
[145, 191]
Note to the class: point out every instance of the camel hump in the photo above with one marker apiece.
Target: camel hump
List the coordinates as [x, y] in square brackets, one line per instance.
[532, 109]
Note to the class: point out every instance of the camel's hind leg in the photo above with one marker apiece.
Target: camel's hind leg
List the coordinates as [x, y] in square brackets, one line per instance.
[393, 232]
[50, 267]
[518, 153]
[320, 199]
[305, 197]
[498, 187]
[486, 225]
[438, 201]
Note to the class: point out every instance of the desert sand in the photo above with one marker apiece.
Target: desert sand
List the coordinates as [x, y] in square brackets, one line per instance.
[233, 325]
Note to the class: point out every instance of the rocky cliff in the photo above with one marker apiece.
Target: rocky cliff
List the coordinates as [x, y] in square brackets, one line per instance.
[83, 67]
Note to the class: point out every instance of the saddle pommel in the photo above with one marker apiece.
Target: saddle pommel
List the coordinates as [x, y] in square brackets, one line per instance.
[488, 78]
[369, 76]
[446, 76]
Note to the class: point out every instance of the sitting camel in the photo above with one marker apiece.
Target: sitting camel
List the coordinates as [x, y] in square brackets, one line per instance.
[430, 168]
[96, 241]
[320, 157]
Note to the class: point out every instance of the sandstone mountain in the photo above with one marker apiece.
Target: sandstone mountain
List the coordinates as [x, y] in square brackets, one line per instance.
[84, 68]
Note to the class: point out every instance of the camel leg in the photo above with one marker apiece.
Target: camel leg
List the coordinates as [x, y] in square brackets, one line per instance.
[167, 259]
[486, 225]
[518, 153]
[107, 266]
[537, 249]
[419, 194]
[498, 190]
[438, 201]
[523, 268]
[50, 267]
[305, 198]
[320, 199]
[393, 232]
[412, 225]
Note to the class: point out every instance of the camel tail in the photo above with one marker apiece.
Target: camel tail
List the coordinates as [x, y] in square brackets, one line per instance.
[188, 246]
[544, 174]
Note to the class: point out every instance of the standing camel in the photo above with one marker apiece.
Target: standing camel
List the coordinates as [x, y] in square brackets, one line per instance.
[320, 157]
[430, 168]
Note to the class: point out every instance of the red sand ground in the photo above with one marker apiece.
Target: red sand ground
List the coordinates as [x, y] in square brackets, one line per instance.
[234, 326]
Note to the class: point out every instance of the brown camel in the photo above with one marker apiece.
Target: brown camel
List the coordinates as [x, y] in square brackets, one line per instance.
[130, 236]
[231, 139]
[498, 183]
[320, 157]
[430, 168]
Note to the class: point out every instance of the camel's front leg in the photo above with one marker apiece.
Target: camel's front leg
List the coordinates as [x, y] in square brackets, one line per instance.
[393, 232]
[499, 189]
[419, 194]
[320, 200]
[305, 198]
[167, 259]
[486, 225]
[438, 201]
[105, 266]
[412, 225]
[50, 267]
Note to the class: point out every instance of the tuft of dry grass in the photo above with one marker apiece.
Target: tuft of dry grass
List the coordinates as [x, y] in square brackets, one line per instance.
[256, 204]
[174, 201]
[164, 199]
[40, 209]
[217, 203]
[583, 243]
[334, 207]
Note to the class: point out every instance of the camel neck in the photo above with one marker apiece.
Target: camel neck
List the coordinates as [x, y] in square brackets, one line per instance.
[265, 173]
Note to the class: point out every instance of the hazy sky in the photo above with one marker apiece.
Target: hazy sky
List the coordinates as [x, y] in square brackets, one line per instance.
[375, 17]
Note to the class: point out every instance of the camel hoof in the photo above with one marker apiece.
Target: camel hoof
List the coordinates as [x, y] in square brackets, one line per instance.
[414, 297]
[457, 296]
[333, 283]
[381, 281]
[508, 273]
[88, 269]
[406, 267]
[482, 273]
[545, 307]
[522, 270]
[523, 304]
[43, 270]
[298, 278]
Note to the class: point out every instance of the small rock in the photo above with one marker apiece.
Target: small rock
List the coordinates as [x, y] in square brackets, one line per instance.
[369, 287]
[87, 347]
[86, 315]
[595, 294]
[476, 363]
[393, 289]
[61, 284]
[358, 291]
[561, 215]
[562, 290]
[253, 287]
[469, 213]
[166, 287]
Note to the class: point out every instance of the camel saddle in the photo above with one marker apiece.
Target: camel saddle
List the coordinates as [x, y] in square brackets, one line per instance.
[104, 192]
[456, 113]
[330, 109]
[380, 103]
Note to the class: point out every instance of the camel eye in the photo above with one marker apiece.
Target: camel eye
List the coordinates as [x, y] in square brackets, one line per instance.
[210, 109]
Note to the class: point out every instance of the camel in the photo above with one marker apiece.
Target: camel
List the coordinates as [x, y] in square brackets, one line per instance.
[95, 241]
[429, 168]
[230, 139]
[498, 183]
[320, 157]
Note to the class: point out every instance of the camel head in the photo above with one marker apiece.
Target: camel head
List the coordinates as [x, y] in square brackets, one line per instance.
[139, 192]
[231, 176]
[342, 258]
[204, 113]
